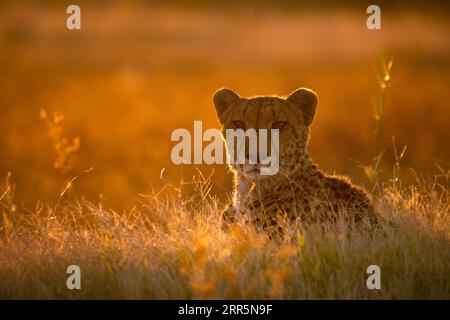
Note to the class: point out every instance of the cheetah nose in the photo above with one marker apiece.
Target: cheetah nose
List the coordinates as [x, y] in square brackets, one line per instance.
[257, 159]
[252, 158]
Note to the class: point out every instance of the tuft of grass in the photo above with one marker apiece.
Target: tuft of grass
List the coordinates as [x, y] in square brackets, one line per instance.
[373, 171]
[64, 148]
[175, 248]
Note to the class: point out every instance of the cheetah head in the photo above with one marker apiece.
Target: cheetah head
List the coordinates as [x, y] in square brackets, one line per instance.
[292, 116]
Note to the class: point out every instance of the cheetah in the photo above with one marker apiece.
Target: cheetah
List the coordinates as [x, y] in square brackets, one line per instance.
[299, 189]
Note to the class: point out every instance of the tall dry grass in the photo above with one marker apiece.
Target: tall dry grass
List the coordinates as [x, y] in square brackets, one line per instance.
[175, 248]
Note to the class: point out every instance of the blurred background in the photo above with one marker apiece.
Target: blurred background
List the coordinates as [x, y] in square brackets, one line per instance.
[138, 70]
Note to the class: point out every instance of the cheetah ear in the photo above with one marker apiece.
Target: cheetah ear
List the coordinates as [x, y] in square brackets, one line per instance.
[223, 98]
[306, 100]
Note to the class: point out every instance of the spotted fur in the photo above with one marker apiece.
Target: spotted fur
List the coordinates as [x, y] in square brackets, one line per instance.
[299, 189]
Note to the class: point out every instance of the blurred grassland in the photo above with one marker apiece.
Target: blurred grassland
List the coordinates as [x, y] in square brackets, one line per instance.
[109, 97]
[136, 72]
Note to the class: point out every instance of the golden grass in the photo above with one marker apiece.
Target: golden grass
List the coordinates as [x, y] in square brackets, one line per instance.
[176, 249]
[134, 74]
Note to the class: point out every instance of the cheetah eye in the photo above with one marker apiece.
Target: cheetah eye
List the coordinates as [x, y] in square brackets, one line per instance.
[279, 125]
[238, 124]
